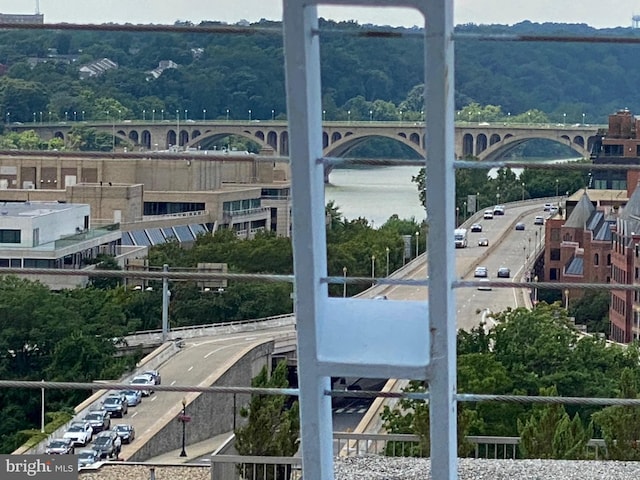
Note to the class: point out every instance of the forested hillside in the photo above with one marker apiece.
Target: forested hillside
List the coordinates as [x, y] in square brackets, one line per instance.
[241, 75]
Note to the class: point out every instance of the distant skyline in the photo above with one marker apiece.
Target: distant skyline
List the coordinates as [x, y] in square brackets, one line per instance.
[592, 12]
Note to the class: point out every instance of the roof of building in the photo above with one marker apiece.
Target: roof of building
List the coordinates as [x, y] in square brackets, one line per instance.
[581, 213]
[575, 267]
[33, 209]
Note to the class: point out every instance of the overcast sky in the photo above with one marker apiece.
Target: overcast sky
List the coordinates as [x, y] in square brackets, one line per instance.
[597, 13]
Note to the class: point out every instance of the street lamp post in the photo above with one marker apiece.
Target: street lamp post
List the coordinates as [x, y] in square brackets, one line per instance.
[144, 115]
[564, 119]
[464, 207]
[324, 115]
[183, 419]
[153, 115]
[249, 114]
[344, 285]
[417, 238]
[227, 114]
[40, 118]
[387, 250]
[373, 269]
[535, 291]
[557, 186]
[457, 216]
[162, 114]
[583, 120]
[177, 128]
[370, 115]
[75, 116]
[566, 299]
[204, 114]
[523, 185]
[349, 116]
[34, 117]
[186, 115]
[273, 114]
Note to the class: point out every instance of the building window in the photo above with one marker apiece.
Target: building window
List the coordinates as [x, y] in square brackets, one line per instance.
[567, 237]
[596, 259]
[10, 236]
[608, 259]
[554, 254]
[555, 234]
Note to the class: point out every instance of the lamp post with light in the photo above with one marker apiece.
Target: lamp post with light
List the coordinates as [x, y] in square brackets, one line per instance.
[344, 285]
[184, 418]
[387, 250]
[373, 269]
[523, 185]
[535, 291]
[417, 238]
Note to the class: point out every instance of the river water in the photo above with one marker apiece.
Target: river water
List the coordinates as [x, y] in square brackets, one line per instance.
[375, 193]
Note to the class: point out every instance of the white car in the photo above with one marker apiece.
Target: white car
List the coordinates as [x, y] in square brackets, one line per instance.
[488, 214]
[80, 433]
[481, 272]
[144, 380]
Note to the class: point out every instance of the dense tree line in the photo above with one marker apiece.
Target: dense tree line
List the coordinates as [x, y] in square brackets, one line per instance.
[363, 77]
[534, 353]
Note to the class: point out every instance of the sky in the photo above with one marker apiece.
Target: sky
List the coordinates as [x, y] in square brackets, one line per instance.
[595, 13]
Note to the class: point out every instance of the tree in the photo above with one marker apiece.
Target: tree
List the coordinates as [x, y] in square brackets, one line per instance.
[273, 425]
[620, 424]
[548, 432]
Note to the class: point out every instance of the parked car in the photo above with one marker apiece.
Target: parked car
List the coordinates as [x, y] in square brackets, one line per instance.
[519, 226]
[60, 446]
[115, 405]
[87, 457]
[481, 272]
[105, 444]
[504, 272]
[538, 221]
[126, 432]
[99, 420]
[483, 242]
[476, 227]
[155, 374]
[80, 433]
[133, 397]
[144, 380]
[488, 214]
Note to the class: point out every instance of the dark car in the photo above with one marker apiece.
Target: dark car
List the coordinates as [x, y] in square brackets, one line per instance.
[538, 221]
[99, 420]
[504, 272]
[87, 457]
[519, 226]
[476, 227]
[115, 405]
[126, 432]
[60, 446]
[105, 444]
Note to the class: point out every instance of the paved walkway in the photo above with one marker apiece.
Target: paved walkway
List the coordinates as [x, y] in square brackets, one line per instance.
[193, 451]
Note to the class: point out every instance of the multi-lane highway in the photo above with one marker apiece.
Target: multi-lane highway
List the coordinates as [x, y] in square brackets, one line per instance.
[201, 357]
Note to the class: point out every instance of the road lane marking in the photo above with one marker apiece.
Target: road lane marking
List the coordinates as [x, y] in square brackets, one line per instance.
[133, 414]
[173, 383]
[154, 398]
[190, 368]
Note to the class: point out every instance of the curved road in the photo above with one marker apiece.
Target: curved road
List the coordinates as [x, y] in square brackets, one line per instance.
[202, 356]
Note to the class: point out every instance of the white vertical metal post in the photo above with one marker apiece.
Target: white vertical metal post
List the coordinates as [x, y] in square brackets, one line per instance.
[439, 88]
[302, 66]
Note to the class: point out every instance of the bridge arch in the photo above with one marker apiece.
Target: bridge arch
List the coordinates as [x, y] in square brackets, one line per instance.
[258, 137]
[510, 142]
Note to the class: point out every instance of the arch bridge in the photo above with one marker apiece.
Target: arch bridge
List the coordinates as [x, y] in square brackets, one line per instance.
[483, 140]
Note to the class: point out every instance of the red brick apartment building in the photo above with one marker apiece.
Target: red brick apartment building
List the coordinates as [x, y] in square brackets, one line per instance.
[599, 239]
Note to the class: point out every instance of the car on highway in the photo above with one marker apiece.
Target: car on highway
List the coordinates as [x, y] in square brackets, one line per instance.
[133, 397]
[504, 272]
[115, 405]
[99, 420]
[481, 272]
[60, 446]
[80, 433]
[483, 286]
[499, 210]
[476, 227]
[144, 380]
[538, 220]
[488, 214]
[519, 226]
[126, 432]
[155, 375]
[483, 242]
[547, 207]
[87, 457]
[105, 444]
